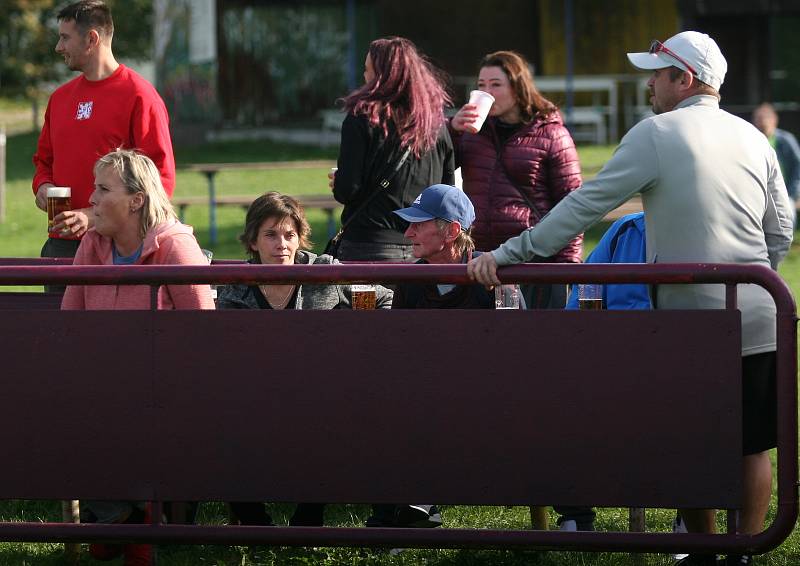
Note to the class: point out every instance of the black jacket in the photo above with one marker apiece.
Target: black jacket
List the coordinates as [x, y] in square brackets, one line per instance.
[427, 296]
[366, 157]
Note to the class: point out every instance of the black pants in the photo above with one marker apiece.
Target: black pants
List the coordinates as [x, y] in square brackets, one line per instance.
[544, 295]
[54, 247]
[253, 513]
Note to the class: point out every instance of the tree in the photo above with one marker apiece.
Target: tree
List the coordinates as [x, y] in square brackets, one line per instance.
[29, 32]
[26, 57]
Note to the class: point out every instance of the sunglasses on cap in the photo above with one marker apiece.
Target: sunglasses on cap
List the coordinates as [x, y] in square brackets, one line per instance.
[658, 47]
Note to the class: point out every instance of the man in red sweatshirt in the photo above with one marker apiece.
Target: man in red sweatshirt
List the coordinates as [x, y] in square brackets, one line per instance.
[106, 107]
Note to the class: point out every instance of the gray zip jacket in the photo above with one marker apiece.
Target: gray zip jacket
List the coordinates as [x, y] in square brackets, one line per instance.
[712, 192]
[309, 297]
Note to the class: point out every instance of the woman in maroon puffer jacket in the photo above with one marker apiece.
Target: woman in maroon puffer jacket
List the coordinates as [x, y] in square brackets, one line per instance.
[522, 146]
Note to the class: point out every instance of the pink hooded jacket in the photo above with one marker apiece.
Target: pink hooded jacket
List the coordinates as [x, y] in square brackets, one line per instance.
[171, 243]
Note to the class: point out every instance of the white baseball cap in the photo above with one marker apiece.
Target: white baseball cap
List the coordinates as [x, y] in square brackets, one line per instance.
[691, 51]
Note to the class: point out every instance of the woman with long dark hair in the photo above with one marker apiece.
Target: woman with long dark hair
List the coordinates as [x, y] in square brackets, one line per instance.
[394, 144]
[519, 165]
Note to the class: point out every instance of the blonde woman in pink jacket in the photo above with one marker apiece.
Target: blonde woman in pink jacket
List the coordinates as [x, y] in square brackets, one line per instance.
[134, 224]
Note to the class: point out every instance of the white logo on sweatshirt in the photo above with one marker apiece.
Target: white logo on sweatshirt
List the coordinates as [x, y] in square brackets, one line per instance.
[84, 110]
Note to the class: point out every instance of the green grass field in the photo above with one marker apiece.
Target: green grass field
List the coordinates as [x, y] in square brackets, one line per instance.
[22, 234]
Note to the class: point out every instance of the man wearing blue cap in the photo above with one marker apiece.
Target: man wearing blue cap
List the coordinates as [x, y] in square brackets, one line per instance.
[439, 223]
[713, 192]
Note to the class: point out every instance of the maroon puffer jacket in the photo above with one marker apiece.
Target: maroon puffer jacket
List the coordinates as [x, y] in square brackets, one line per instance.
[540, 158]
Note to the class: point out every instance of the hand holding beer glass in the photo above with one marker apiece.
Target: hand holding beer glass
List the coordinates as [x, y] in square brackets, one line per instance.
[59, 199]
[590, 296]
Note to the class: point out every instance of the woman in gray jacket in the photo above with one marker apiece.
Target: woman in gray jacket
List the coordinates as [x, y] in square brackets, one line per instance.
[276, 232]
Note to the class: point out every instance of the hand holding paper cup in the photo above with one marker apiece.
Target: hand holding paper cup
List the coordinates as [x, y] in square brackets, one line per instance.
[483, 103]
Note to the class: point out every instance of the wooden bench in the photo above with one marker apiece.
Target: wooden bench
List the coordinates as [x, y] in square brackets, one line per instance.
[210, 170]
[326, 203]
[508, 416]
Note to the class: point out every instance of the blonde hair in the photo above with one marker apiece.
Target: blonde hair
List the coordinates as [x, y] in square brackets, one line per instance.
[139, 174]
[463, 242]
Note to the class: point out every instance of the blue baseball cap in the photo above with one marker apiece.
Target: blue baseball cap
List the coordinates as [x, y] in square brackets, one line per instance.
[440, 201]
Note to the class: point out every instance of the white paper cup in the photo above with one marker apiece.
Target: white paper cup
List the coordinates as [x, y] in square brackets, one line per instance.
[483, 101]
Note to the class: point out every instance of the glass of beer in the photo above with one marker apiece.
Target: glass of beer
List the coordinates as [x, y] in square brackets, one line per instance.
[506, 297]
[59, 199]
[363, 297]
[590, 296]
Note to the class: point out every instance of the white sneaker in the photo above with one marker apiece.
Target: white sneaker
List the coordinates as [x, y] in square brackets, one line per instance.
[678, 526]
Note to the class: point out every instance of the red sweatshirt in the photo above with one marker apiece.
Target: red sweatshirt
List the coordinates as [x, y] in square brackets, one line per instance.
[87, 119]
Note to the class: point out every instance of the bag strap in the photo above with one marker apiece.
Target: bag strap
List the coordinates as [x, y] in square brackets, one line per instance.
[535, 211]
[382, 184]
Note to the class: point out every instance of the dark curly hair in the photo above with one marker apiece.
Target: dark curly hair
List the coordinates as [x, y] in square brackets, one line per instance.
[89, 14]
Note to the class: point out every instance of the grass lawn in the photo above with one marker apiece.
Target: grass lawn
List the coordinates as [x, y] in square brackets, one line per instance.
[22, 235]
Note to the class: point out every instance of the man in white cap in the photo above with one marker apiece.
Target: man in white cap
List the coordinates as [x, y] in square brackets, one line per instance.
[712, 192]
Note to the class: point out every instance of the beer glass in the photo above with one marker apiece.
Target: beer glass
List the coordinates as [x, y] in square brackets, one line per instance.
[590, 296]
[363, 297]
[506, 297]
[59, 199]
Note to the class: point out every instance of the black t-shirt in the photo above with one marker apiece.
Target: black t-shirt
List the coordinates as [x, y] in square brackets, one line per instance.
[505, 131]
[263, 303]
[427, 296]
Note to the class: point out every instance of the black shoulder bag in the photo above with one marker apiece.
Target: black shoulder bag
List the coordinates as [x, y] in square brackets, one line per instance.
[333, 244]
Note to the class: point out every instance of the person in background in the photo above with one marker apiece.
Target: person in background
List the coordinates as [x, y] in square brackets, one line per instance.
[276, 232]
[623, 242]
[786, 147]
[134, 225]
[520, 164]
[107, 106]
[712, 192]
[394, 134]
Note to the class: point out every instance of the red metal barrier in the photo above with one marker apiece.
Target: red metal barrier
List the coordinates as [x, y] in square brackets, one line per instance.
[729, 275]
